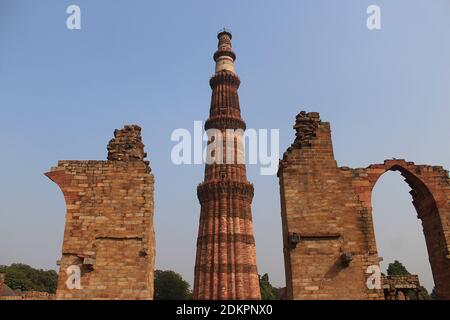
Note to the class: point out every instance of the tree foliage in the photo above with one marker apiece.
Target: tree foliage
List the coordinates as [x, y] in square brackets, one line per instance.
[423, 294]
[433, 294]
[268, 292]
[397, 269]
[170, 285]
[22, 277]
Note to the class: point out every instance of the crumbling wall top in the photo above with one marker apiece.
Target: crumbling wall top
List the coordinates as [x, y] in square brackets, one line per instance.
[306, 124]
[401, 282]
[127, 145]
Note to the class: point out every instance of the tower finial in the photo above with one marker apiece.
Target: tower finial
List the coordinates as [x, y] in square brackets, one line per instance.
[226, 31]
[224, 56]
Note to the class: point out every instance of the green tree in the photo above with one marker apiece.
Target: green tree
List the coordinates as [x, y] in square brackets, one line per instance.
[170, 285]
[397, 269]
[22, 277]
[268, 292]
[433, 294]
[423, 294]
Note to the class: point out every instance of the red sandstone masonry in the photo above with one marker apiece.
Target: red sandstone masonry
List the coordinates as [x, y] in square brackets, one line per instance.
[397, 287]
[225, 266]
[327, 216]
[109, 222]
[31, 295]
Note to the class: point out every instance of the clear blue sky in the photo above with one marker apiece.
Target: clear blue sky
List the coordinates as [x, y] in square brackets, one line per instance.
[62, 94]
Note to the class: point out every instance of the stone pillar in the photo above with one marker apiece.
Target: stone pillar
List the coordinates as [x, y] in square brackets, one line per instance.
[109, 236]
[401, 295]
[324, 232]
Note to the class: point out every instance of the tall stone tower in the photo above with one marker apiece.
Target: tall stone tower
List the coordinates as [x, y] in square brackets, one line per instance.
[225, 266]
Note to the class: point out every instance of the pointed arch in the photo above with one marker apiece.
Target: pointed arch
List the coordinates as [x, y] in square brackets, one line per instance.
[430, 191]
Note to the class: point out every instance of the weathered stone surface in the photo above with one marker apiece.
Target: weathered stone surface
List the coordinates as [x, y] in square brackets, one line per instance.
[31, 295]
[327, 215]
[225, 266]
[2, 283]
[397, 287]
[109, 222]
[127, 145]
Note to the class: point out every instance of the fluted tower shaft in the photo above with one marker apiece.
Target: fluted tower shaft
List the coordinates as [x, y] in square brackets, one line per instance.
[225, 265]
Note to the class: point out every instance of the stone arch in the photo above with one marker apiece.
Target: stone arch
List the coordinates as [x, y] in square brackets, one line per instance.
[326, 212]
[430, 191]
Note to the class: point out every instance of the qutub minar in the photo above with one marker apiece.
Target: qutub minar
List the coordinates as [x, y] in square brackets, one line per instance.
[225, 265]
[329, 245]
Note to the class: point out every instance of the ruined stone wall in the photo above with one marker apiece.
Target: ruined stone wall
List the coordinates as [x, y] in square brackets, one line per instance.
[430, 191]
[31, 295]
[328, 234]
[2, 283]
[397, 287]
[410, 281]
[109, 222]
[323, 221]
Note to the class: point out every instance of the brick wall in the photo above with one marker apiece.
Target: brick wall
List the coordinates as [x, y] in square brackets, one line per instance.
[327, 223]
[398, 287]
[109, 222]
[32, 295]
